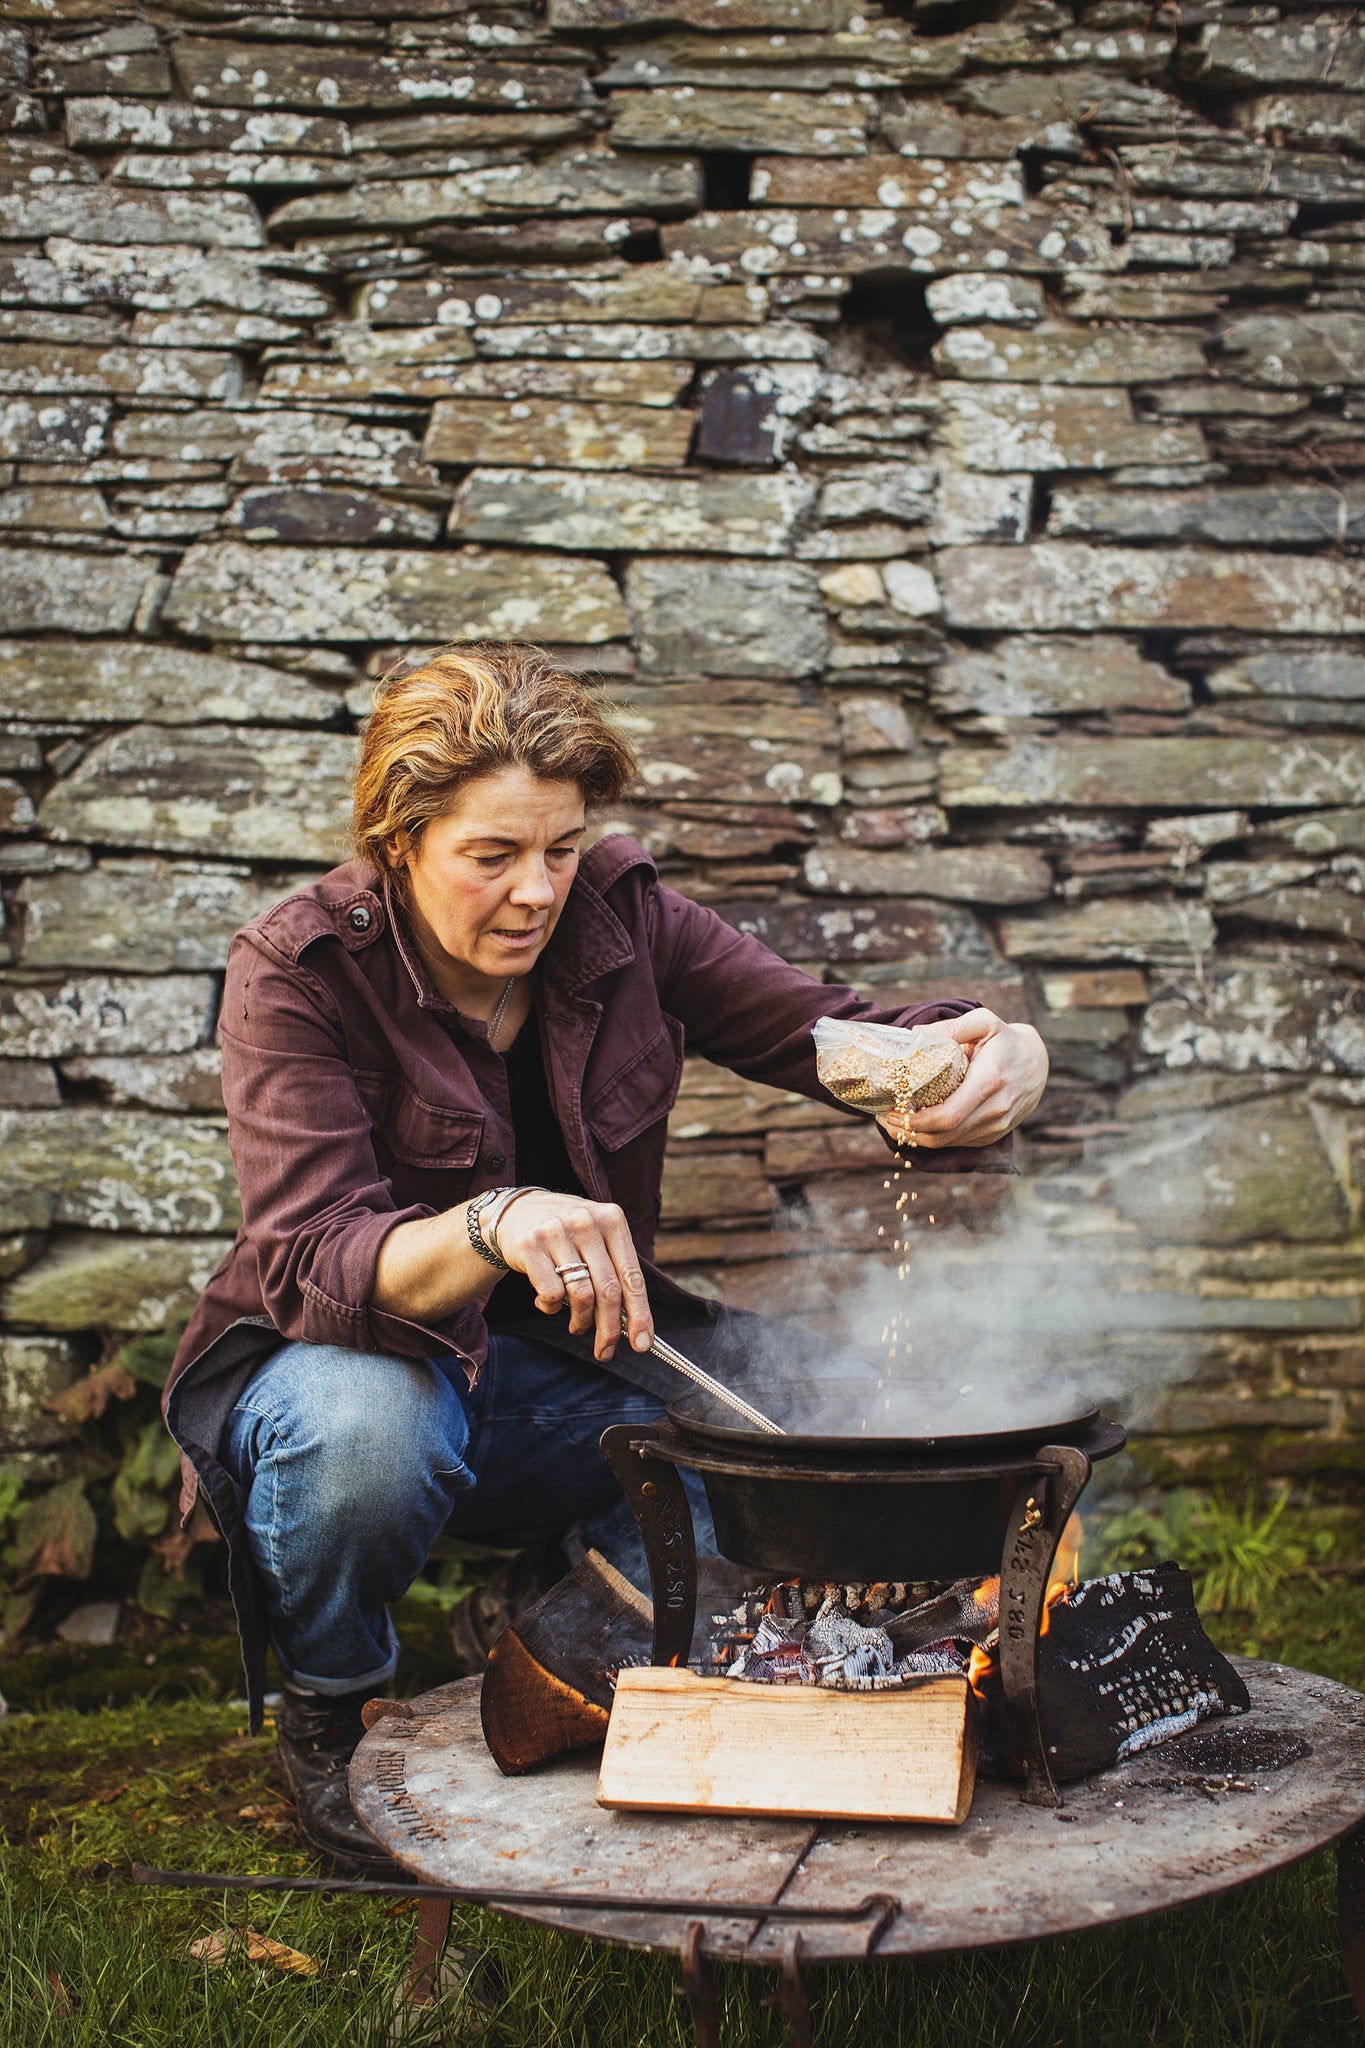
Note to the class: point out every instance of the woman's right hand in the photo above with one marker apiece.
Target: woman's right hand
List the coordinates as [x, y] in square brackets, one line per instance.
[542, 1230]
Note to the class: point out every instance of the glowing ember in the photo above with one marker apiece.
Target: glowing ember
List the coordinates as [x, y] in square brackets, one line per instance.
[979, 1665]
[1056, 1593]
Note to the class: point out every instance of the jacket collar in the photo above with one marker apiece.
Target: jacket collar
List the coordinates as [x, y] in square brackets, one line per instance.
[428, 995]
[589, 942]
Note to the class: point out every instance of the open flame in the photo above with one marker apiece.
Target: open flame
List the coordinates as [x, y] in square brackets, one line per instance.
[1067, 1565]
[1068, 1561]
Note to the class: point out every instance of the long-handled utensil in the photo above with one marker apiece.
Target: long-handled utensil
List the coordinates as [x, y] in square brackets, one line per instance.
[714, 1387]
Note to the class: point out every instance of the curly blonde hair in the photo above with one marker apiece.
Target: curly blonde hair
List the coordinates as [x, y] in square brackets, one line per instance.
[465, 712]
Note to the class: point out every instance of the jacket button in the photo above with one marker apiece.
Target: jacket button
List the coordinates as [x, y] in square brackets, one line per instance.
[361, 918]
[495, 1161]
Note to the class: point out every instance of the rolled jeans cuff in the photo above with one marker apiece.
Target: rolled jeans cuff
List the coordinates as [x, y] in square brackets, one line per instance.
[338, 1688]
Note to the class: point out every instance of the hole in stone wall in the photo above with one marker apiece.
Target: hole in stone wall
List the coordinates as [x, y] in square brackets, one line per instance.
[1310, 218]
[1031, 166]
[725, 175]
[891, 309]
[646, 247]
[943, 17]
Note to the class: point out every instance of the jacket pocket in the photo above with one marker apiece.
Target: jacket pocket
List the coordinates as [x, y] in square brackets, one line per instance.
[641, 1094]
[430, 1134]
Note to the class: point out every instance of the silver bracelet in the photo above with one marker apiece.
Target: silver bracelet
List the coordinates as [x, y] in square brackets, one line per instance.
[473, 1219]
[497, 1209]
[482, 1218]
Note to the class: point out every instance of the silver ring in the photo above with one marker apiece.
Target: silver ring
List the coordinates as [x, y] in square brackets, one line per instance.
[569, 1274]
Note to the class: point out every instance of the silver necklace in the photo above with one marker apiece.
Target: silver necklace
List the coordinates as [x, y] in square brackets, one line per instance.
[496, 1025]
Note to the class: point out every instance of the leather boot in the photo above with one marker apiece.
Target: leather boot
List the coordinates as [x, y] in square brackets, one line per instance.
[317, 1739]
[480, 1618]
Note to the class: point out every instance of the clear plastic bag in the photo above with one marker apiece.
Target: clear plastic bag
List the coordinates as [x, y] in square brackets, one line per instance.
[876, 1067]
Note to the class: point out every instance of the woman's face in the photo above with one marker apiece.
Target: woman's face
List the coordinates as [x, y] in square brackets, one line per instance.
[487, 880]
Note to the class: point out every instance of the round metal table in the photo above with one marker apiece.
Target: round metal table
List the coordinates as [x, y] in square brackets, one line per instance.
[1228, 1803]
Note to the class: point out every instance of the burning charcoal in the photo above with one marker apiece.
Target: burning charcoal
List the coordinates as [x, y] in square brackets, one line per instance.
[946, 1655]
[776, 1656]
[845, 1652]
[969, 1609]
[866, 1660]
[883, 1626]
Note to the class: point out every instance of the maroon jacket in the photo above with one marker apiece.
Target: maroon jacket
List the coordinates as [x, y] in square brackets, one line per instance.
[357, 1098]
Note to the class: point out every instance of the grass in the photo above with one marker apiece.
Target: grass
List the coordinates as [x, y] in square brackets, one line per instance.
[85, 1960]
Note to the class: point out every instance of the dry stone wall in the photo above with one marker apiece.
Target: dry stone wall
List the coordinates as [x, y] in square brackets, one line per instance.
[943, 425]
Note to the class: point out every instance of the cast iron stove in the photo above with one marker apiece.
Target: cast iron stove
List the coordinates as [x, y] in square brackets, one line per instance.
[860, 1506]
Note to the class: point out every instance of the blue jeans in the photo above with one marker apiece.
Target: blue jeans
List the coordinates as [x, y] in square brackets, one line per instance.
[354, 1463]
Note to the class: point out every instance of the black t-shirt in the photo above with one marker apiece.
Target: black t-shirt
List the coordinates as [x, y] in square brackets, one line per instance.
[542, 1157]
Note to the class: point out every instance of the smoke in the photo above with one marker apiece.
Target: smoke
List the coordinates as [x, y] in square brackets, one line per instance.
[970, 1332]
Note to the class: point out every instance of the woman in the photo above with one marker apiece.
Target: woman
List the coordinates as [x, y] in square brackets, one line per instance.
[448, 1067]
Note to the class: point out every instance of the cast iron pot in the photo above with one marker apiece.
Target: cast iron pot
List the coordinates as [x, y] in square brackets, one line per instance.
[847, 1504]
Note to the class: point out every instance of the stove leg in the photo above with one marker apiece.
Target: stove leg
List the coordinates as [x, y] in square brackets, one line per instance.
[699, 1986]
[433, 1925]
[1041, 1514]
[791, 1998]
[659, 1504]
[1351, 1912]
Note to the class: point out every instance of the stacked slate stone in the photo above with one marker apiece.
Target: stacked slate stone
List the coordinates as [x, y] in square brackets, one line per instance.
[942, 425]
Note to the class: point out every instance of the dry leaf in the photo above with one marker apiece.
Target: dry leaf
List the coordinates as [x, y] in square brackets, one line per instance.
[55, 1538]
[61, 1997]
[88, 1399]
[213, 1949]
[175, 1546]
[272, 1817]
[261, 1949]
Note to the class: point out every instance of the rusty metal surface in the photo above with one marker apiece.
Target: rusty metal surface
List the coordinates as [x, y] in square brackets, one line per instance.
[430, 1789]
[1196, 1816]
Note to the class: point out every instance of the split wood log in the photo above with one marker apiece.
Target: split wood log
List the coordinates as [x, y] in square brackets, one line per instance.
[677, 1743]
[548, 1684]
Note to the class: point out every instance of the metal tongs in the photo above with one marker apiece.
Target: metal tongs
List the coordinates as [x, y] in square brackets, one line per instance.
[718, 1392]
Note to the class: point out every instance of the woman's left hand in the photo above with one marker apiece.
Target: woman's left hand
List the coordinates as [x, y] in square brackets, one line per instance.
[1004, 1084]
